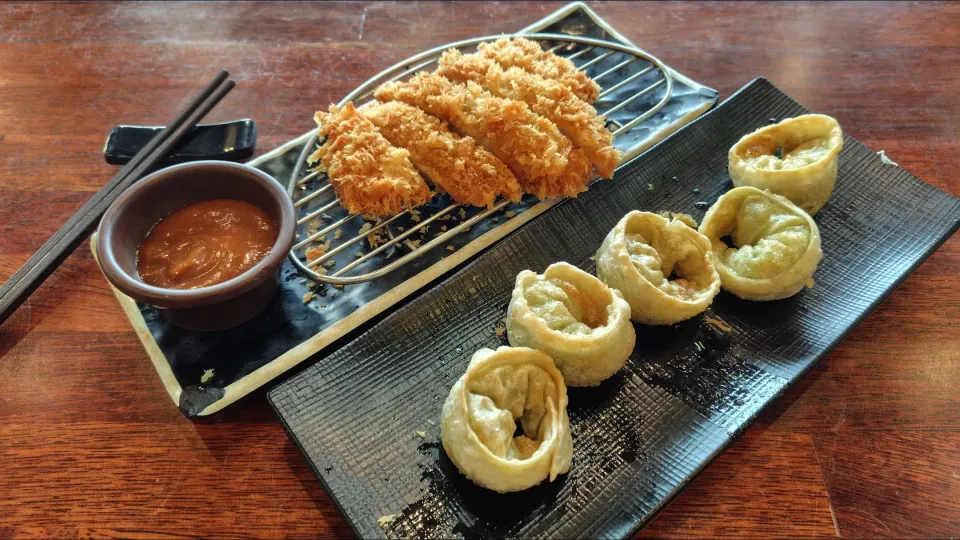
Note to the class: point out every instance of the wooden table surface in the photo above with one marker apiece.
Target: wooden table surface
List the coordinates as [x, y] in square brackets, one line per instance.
[866, 445]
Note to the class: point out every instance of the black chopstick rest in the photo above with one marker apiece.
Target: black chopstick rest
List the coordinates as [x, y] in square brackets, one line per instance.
[229, 141]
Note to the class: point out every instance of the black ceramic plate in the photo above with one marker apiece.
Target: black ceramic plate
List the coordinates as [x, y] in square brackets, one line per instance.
[687, 391]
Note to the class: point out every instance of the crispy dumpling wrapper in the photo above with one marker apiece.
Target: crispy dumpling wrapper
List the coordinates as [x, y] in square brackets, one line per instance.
[662, 267]
[805, 170]
[480, 415]
[573, 317]
[776, 245]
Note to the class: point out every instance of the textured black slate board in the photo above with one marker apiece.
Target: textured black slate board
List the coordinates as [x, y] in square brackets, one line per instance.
[684, 394]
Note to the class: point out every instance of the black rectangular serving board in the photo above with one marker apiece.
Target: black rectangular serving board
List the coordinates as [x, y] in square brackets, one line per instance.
[687, 391]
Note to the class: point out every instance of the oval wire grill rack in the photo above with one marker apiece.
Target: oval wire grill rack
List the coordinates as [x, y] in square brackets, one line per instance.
[319, 213]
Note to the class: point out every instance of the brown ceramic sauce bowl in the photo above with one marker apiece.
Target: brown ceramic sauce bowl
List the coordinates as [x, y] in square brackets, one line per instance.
[129, 219]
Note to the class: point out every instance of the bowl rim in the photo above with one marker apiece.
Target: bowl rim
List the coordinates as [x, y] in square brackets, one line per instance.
[134, 287]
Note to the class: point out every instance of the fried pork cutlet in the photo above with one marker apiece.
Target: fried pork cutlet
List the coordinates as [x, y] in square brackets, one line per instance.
[528, 56]
[371, 177]
[543, 160]
[457, 165]
[576, 118]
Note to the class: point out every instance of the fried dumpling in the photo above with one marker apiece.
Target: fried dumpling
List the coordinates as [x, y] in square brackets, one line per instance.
[573, 317]
[796, 158]
[662, 267]
[776, 245]
[480, 415]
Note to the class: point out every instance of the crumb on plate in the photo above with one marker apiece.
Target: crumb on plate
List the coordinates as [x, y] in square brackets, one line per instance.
[374, 239]
[884, 159]
[315, 252]
[718, 323]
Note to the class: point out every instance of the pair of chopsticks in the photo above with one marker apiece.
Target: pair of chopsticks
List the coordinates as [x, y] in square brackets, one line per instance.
[26, 280]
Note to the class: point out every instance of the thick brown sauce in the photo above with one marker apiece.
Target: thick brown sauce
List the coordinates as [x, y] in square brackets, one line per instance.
[205, 243]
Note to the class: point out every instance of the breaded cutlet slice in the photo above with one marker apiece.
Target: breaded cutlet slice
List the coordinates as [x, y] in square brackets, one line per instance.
[576, 118]
[543, 160]
[529, 56]
[455, 164]
[371, 177]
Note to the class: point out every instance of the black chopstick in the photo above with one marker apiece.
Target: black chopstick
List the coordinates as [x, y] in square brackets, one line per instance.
[55, 250]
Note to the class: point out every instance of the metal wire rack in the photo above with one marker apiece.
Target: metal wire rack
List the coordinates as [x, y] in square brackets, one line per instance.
[618, 69]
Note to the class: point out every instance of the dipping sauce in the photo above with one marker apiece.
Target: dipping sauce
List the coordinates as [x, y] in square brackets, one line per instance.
[205, 243]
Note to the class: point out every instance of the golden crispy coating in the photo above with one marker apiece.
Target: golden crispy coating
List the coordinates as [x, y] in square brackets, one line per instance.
[456, 164]
[370, 176]
[530, 57]
[543, 160]
[576, 118]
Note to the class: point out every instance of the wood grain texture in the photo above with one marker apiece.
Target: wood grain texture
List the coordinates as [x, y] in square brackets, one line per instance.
[90, 444]
[769, 480]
